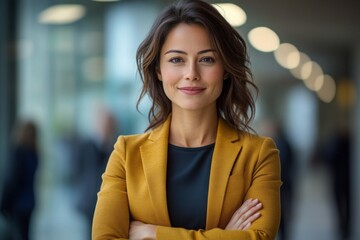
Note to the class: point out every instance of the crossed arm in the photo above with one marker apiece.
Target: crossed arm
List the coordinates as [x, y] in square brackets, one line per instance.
[240, 220]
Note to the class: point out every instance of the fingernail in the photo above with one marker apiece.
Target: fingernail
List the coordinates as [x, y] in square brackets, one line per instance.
[255, 200]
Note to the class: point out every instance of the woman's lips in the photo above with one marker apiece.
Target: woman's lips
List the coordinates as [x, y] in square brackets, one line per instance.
[191, 90]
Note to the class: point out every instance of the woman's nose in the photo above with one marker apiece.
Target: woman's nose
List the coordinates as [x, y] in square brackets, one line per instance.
[192, 73]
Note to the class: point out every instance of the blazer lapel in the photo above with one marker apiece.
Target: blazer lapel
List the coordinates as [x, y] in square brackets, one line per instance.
[154, 160]
[227, 148]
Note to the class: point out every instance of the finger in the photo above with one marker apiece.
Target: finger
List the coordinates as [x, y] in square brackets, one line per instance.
[249, 221]
[246, 226]
[246, 210]
[246, 207]
[249, 214]
[253, 210]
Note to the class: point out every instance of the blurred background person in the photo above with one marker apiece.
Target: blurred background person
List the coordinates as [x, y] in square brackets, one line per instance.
[91, 156]
[337, 156]
[274, 129]
[287, 176]
[18, 198]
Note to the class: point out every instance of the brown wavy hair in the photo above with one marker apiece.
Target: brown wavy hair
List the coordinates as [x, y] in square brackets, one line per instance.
[235, 104]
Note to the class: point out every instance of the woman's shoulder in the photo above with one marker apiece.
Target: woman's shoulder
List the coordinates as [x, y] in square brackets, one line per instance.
[255, 139]
[134, 138]
[244, 136]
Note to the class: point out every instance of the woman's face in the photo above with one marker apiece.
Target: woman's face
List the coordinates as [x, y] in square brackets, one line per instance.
[190, 68]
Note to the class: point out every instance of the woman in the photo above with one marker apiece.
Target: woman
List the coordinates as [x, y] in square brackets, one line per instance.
[197, 173]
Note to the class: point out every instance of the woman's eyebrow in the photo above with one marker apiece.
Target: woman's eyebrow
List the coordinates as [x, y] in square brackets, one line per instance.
[175, 51]
[207, 50]
[183, 52]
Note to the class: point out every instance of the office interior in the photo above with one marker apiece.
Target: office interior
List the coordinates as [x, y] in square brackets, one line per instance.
[59, 73]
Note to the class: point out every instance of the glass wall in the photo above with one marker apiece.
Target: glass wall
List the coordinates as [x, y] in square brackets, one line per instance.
[69, 74]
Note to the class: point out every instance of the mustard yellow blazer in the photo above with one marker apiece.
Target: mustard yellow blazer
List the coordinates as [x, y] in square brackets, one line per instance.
[134, 186]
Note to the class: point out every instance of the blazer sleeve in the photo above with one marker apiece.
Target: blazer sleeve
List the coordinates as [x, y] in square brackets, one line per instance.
[265, 186]
[111, 216]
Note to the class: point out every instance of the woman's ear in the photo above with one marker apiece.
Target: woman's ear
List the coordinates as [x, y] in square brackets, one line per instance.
[158, 73]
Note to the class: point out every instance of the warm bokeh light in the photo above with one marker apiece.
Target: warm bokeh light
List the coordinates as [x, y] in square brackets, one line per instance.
[310, 72]
[346, 94]
[306, 70]
[296, 72]
[287, 55]
[328, 90]
[319, 82]
[62, 14]
[264, 39]
[235, 15]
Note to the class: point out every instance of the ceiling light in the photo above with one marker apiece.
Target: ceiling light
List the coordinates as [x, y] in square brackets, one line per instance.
[287, 56]
[310, 77]
[264, 39]
[328, 90]
[62, 14]
[232, 13]
[319, 82]
[296, 72]
[306, 70]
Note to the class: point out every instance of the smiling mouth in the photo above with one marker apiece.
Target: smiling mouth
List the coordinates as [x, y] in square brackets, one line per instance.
[191, 90]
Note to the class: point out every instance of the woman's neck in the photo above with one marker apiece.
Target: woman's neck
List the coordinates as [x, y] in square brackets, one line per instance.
[193, 129]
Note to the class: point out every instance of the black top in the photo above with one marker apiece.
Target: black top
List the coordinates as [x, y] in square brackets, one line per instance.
[187, 185]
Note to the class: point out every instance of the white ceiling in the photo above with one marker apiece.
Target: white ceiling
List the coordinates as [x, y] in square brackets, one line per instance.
[325, 30]
[330, 22]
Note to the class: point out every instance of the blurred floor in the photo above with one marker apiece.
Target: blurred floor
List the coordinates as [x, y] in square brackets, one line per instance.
[57, 219]
[314, 215]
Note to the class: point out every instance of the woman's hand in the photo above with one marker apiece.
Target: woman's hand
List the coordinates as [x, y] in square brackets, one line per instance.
[142, 231]
[245, 215]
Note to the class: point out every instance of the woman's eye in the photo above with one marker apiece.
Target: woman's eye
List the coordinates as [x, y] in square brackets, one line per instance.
[207, 59]
[176, 60]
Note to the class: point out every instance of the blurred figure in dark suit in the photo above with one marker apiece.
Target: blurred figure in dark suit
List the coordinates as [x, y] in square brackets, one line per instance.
[338, 156]
[18, 199]
[91, 158]
[273, 128]
[287, 176]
